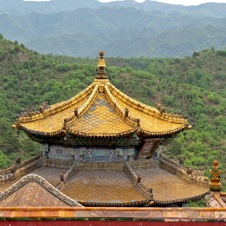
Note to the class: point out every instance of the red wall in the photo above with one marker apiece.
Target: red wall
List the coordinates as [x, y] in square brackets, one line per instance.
[107, 223]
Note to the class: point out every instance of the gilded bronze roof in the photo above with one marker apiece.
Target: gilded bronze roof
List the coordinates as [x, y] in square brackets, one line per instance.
[101, 110]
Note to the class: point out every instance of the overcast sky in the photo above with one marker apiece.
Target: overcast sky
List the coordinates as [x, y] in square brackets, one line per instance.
[182, 2]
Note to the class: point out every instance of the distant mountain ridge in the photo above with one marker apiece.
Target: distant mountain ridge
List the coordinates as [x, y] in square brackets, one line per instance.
[124, 28]
[56, 6]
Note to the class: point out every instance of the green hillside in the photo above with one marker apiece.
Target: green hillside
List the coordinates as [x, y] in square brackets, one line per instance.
[193, 86]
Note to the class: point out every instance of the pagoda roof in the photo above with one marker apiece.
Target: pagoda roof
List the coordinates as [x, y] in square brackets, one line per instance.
[101, 110]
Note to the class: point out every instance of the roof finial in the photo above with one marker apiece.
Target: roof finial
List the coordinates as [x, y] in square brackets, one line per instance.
[215, 184]
[101, 53]
[101, 66]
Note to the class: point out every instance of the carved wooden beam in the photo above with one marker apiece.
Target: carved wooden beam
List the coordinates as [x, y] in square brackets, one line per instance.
[148, 146]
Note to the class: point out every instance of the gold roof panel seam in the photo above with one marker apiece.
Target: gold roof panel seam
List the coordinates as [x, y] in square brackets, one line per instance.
[122, 113]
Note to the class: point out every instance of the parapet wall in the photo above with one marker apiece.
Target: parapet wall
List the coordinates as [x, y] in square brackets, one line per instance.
[28, 161]
[142, 164]
[18, 170]
[57, 163]
[184, 173]
[27, 169]
[101, 165]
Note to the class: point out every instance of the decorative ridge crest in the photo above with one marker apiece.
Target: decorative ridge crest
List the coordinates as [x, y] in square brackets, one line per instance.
[44, 183]
[145, 108]
[89, 102]
[55, 108]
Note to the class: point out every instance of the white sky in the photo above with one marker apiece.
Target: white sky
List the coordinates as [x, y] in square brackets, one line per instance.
[181, 2]
[178, 2]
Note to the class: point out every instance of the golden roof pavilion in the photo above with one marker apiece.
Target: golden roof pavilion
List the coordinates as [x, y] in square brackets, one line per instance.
[101, 111]
[101, 148]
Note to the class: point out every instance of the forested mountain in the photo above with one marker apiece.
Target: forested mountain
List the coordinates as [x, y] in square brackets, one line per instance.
[193, 86]
[123, 28]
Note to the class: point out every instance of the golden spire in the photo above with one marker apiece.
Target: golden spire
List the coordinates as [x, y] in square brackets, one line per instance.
[215, 184]
[101, 66]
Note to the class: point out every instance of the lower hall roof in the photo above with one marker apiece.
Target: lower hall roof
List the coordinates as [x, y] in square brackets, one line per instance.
[112, 186]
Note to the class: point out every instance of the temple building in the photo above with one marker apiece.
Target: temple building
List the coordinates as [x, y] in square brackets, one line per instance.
[100, 148]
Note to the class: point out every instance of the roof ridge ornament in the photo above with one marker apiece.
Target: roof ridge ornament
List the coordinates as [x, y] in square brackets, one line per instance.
[101, 67]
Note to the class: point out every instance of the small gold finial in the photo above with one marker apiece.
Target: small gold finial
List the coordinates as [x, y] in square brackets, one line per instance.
[101, 66]
[101, 61]
[215, 184]
[101, 53]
